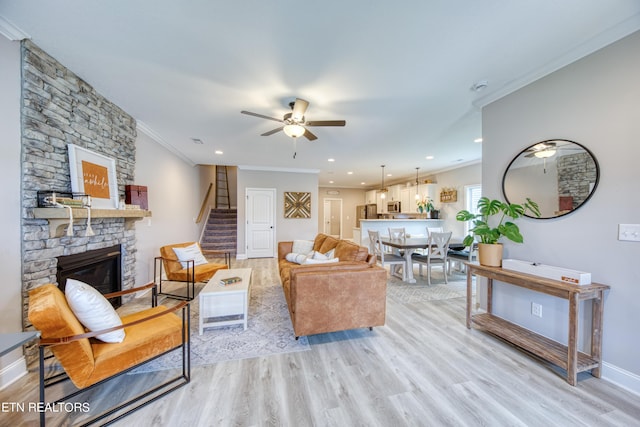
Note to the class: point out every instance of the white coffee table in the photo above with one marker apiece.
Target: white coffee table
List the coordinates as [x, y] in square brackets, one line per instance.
[218, 303]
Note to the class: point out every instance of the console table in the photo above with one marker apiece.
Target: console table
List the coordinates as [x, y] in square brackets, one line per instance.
[565, 356]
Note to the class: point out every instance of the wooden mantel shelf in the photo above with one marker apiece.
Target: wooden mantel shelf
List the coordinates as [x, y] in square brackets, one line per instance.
[59, 217]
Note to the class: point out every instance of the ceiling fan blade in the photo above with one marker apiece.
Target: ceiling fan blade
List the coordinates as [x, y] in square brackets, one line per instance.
[261, 116]
[271, 132]
[299, 108]
[309, 135]
[327, 123]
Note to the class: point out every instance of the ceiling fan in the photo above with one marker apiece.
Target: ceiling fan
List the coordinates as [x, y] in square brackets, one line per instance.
[294, 123]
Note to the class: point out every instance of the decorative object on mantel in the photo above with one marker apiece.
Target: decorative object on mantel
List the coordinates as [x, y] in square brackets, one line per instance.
[448, 195]
[136, 195]
[95, 175]
[297, 204]
[489, 250]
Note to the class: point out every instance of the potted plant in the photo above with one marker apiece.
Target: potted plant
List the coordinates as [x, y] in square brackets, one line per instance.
[489, 250]
[425, 205]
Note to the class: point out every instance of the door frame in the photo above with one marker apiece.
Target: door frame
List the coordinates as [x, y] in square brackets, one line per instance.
[324, 213]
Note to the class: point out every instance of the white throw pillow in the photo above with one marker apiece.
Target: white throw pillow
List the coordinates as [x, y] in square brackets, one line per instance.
[297, 258]
[320, 261]
[302, 246]
[93, 310]
[188, 253]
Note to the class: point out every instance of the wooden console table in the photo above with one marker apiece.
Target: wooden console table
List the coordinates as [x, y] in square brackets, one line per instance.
[567, 357]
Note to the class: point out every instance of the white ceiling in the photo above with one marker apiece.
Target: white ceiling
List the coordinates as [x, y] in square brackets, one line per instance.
[398, 72]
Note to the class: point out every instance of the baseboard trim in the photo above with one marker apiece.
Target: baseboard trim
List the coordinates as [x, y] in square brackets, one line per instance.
[618, 376]
[13, 373]
[241, 256]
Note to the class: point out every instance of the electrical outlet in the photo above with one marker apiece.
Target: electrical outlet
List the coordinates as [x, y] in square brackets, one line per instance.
[536, 309]
[629, 232]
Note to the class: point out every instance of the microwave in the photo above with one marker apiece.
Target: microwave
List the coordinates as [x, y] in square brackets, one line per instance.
[393, 207]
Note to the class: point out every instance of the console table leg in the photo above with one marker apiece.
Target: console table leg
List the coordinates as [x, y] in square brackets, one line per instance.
[596, 332]
[469, 296]
[572, 345]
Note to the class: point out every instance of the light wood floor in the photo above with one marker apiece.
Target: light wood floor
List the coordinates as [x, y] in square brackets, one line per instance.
[424, 368]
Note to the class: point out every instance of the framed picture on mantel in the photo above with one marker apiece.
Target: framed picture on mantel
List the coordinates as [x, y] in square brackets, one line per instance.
[93, 174]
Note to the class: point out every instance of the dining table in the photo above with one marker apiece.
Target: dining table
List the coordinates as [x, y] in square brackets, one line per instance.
[409, 246]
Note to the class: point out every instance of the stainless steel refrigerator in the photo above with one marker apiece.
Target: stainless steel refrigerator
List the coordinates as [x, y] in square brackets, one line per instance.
[369, 211]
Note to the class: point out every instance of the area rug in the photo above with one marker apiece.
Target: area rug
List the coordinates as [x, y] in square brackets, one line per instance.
[421, 291]
[269, 330]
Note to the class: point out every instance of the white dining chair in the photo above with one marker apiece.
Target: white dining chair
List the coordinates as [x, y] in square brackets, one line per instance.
[467, 254]
[384, 258]
[437, 251]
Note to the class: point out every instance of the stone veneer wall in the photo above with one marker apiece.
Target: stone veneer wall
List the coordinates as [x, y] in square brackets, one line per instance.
[575, 173]
[59, 108]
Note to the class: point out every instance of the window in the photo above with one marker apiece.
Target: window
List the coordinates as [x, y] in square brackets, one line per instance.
[472, 194]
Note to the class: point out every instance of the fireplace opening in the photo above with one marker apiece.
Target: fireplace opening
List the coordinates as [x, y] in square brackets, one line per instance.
[100, 268]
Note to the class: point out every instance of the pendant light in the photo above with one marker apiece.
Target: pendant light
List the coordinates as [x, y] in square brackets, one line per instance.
[417, 186]
[383, 189]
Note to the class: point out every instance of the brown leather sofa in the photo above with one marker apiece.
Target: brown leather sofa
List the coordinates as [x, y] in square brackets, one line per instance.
[348, 294]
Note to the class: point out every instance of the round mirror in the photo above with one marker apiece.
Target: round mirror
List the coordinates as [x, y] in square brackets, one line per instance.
[559, 175]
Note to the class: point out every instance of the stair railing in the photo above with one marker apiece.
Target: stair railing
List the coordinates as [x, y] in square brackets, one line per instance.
[204, 228]
[204, 204]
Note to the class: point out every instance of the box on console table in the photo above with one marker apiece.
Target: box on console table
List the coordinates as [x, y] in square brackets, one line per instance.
[565, 275]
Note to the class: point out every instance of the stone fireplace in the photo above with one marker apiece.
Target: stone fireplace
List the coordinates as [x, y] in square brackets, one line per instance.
[99, 268]
[59, 108]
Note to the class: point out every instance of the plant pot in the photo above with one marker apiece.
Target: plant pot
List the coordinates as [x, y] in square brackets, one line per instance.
[435, 214]
[490, 254]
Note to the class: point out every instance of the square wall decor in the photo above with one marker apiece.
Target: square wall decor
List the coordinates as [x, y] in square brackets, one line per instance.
[297, 205]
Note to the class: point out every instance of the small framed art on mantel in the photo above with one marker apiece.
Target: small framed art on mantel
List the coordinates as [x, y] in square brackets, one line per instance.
[93, 174]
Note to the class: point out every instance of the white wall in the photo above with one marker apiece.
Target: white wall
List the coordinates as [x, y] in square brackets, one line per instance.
[593, 101]
[286, 228]
[458, 179]
[11, 364]
[174, 200]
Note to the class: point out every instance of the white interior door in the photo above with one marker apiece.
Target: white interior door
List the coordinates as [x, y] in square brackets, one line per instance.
[332, 217]
[261, 231]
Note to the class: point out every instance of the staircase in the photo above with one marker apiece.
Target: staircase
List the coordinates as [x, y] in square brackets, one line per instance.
[220, 230]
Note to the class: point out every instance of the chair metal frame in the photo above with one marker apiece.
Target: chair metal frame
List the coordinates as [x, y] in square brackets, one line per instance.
[191, 275]
[145, 397]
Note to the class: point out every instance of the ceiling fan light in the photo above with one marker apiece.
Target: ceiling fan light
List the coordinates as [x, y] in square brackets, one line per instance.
[544, 154]
[294, 130]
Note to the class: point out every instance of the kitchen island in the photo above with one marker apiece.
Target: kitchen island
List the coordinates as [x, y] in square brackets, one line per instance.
[413, 227]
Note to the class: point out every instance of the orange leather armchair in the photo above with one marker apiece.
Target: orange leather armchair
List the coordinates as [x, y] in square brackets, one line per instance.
[88, 362]
[175, 271]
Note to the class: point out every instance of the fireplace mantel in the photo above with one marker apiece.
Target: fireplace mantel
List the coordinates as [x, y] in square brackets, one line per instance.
[59, 217]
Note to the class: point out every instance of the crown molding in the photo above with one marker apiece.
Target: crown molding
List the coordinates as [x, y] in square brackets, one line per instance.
[277, 169]
[590, 46]
[157, 138]
[11, 31]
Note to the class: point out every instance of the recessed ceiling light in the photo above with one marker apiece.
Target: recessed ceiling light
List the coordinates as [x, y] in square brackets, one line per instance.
[330, 182]
[331, 160]
[429, 157]
[349, 173]
[362, 183]
[478, 140]
[197, 141]
[219, 152]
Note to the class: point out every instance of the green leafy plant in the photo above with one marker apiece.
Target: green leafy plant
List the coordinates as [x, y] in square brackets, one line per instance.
[425, 204]
[488, 208]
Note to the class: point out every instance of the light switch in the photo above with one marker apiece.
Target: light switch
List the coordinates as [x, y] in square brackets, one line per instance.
[630, 232]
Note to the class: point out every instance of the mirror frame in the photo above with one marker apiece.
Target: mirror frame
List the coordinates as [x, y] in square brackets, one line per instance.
[518, 156]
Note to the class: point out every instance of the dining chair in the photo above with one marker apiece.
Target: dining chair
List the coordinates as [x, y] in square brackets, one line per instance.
[385, 258]
[467, 254]
[437, 250]
[397, 233]
[434, 230]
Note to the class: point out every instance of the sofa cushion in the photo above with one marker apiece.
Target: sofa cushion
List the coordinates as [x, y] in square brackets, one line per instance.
[298, 258]
[302, 246]
[349, 251]
[328, 244]
[320, 261]
[319, 240]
